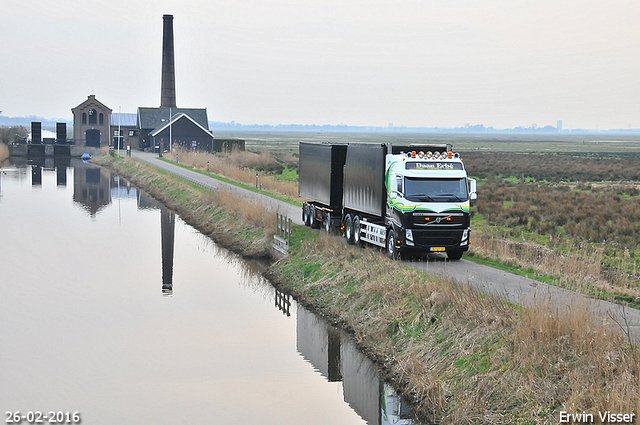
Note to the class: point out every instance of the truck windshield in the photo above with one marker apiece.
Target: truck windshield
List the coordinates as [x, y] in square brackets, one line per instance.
[435, 190]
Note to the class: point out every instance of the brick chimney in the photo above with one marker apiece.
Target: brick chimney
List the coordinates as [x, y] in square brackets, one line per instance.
[168, 93]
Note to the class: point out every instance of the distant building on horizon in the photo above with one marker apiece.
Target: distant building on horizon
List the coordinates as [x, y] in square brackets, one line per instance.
[559, 126]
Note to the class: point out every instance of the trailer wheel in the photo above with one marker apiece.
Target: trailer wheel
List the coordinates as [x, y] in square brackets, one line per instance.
[356, 230]
[305, 214]
[327, 223]
[348, 229]
[313, 220]
[392, 249]
[455, 254]
[312, 216]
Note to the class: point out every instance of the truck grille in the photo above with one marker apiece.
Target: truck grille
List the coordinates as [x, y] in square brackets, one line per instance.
[437, 237]
[433, 220]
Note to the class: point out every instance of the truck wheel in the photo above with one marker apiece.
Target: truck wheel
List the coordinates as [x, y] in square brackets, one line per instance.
[327, 223]
[305, 214]
[348, 229]
[392, 249]
[356, 230]
[454, 254]
[313, 222]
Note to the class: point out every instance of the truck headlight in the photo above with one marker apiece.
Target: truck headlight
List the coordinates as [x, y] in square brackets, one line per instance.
[409, 235]
[465, 237]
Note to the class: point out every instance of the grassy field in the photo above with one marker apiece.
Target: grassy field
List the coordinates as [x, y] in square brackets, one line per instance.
[287, 141]
[458, 356]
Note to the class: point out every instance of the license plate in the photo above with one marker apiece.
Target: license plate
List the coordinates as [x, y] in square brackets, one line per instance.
[437, 248]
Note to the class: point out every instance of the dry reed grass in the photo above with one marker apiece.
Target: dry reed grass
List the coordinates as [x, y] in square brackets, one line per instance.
[238, 166]
[580, 270]
[461, 357]
[4, 152]
[248, 210]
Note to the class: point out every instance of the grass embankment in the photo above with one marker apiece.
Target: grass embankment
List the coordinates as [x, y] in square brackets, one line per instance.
[236, 224]
[460, 357]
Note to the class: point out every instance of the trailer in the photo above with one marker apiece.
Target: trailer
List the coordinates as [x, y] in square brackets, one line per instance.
[401, 198]
[320, 180]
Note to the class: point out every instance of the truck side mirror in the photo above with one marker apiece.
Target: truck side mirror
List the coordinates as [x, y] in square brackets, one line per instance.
[472, 189]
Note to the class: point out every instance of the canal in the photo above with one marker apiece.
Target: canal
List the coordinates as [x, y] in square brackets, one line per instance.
[111, 306]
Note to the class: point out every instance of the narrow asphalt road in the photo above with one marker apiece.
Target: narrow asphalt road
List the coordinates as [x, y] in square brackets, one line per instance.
[487, 280]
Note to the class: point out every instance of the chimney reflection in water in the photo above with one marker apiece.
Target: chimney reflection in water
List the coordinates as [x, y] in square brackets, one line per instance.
[167, 225]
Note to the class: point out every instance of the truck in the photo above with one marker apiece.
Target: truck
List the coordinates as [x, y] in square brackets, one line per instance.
[402, 198]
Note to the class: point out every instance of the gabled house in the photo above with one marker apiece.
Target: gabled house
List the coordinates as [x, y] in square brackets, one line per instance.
[91, 122]
[183, 131]
[151, 119]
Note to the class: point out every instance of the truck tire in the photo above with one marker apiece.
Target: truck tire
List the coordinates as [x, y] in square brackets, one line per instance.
[356, 230]
[455, 254]
[327, 223]
[348, 229]
[392, 249]
[313, 221]
[305, 214]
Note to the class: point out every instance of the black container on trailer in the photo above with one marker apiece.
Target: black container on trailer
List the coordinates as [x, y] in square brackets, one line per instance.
[321, 172]
[364, 186]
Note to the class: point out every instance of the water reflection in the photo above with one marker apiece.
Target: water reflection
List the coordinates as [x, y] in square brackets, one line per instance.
[61, 165]
[168, 229]
[235, 358]
[36, 175]
[333, 354]
[91, 187]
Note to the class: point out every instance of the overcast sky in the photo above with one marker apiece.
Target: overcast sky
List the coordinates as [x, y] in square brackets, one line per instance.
[407, 62]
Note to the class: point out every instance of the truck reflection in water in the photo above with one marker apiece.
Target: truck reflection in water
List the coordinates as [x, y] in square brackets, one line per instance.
[332, 353]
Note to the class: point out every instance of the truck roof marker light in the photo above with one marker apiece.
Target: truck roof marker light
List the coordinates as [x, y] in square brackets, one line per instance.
[450, 154]
[413, 154]
[421, 154]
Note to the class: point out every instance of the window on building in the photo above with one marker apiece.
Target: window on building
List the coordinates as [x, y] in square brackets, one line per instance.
[84, 118]
[93, 116]
[101, 119]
